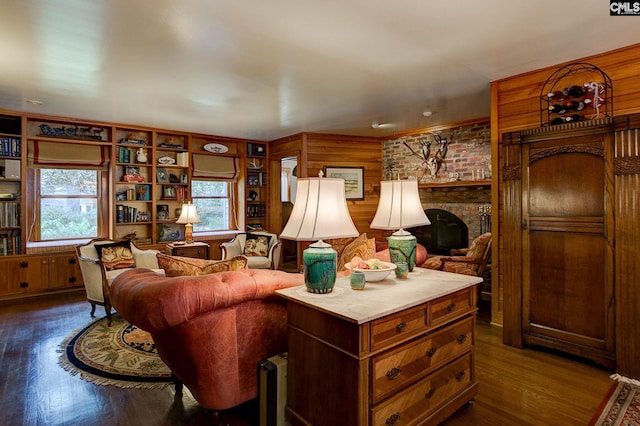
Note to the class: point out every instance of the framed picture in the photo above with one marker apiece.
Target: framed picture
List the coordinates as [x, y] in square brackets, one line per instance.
[168, 193]
[162, 176]
[143, 217]
[143, 192]
[132, 170]
[162, 212]
[353, 180]
[170, 232]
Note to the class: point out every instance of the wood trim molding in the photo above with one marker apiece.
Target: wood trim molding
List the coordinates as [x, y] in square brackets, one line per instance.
[627, 165]
[598, 151]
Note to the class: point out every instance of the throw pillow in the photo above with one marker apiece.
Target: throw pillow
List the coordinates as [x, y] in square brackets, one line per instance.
[256, 245]
[178, 266]
[116, 255]
[362, 246]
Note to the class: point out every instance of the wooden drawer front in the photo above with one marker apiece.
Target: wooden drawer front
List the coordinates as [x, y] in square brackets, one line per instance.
[450, 307]
[415, 403]
[399, 326]
[393, 370]
[196, 252]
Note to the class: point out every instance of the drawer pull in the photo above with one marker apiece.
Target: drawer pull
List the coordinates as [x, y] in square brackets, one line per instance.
[394, 373]
[431, 352]
[451, 307]
[393, 419]
[429, 394]
[460, 376]
[401, 327]
[461, 338]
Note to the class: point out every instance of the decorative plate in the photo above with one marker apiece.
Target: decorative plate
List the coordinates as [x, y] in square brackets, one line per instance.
[166, 160]
[215, 147]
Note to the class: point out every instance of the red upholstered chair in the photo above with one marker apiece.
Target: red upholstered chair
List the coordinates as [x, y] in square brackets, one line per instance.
[211, 330]
[468, 261]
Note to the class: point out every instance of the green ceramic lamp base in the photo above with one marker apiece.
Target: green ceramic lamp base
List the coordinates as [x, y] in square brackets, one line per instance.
[320, 265]
[402, 248]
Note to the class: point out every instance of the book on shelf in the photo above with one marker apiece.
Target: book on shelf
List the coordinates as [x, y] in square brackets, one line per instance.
[10, 147]
[9, 215]
[182, 159]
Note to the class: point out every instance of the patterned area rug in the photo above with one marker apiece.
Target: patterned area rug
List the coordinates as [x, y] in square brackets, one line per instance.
[621, 405]
[121, 355]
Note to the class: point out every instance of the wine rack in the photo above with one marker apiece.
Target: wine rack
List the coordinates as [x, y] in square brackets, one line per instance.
[574, 93]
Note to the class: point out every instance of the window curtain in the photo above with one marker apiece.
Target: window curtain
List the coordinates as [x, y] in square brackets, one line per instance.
[58, 155]
[212, 167]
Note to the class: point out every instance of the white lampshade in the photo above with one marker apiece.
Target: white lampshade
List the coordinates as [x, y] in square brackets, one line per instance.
[399, 206]
[320, 211]
[188, 214]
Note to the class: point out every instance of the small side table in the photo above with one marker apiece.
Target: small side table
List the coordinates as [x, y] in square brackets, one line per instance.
[197, 250]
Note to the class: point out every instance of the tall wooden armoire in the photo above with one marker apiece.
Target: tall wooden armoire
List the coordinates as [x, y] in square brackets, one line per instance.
[571, 233]
[559, 206]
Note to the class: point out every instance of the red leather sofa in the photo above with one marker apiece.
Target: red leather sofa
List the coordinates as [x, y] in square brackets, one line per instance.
[211, 330]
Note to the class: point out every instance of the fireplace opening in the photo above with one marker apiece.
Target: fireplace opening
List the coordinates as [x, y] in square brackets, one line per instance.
[447, 231]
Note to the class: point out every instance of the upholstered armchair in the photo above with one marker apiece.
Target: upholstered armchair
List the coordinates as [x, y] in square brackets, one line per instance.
[468, 261]
[261, 248]
[101, 260]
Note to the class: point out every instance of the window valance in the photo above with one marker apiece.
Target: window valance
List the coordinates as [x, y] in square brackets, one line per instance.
[66, 156]
[213, 167]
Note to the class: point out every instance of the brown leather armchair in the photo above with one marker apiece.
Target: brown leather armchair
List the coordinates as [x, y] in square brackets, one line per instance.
[211, 330]
[468, 261]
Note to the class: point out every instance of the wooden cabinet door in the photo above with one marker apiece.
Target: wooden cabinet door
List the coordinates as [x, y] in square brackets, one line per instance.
[64, 271]
[566, 256]
[21, 275]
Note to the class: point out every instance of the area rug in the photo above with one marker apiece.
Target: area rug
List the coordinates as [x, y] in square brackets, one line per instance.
[121, 355]
[621, 405]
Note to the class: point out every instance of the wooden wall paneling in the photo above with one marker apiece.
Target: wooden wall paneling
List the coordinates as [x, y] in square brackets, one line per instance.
[350, 151]
[627, 244]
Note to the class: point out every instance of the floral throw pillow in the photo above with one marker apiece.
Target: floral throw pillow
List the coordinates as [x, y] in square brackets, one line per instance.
[116, 255]
[362, 247]
[256, 245]
[178, 266]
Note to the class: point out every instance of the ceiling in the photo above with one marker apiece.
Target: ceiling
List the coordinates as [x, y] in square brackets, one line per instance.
[267, 69]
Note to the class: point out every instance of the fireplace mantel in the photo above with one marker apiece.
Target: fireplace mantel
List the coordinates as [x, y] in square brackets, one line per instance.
[455, 184]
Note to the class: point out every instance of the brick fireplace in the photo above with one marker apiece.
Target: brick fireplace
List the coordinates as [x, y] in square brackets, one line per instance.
[462, 185]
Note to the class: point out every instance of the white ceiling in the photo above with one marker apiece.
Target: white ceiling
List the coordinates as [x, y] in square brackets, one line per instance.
[266, 69]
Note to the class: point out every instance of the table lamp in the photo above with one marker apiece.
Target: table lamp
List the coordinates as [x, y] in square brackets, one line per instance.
[188, 216]
[399, 207]
[319, 212]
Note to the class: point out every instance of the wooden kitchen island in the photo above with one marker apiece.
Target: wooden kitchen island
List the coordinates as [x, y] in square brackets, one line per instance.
[399, 352]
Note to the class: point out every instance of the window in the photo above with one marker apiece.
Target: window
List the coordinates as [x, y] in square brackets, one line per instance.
[212, 199]
[68, 204]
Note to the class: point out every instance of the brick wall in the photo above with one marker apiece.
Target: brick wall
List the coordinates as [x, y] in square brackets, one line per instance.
[468, 158]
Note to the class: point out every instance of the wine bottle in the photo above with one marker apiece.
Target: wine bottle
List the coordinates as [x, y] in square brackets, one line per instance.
[557, 120]
[558, 109]
[576, 105]
[557, 95]
[575, 91]
[575, 117]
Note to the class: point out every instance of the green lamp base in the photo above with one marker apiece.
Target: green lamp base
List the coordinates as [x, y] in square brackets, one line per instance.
[320, 267]
[402, 248]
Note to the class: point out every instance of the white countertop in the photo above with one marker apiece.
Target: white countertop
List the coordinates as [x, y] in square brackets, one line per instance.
[381, 298]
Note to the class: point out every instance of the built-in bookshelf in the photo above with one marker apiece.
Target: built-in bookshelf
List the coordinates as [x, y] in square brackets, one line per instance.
[10, 185]
[256, 186]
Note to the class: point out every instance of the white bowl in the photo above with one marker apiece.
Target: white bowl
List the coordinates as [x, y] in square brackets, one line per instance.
[372, 275]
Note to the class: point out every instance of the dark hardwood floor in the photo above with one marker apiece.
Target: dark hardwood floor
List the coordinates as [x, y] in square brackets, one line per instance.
[517, 387]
